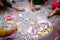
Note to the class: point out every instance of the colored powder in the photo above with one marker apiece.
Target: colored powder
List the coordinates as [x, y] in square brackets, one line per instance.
[42, 33]
[39, 32]
[48, 28]
[46, 32]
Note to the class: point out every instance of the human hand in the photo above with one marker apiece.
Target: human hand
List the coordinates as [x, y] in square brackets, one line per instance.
[58, 9]
[37, 7]
[49, 15]
[32, 8]
[15, 26]
[21, 9]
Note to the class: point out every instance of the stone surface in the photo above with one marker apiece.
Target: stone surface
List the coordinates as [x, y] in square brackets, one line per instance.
[25, 19]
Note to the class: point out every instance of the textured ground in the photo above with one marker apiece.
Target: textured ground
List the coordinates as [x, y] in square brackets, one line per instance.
[23, 20]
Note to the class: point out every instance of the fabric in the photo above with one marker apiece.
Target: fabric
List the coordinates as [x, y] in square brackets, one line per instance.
[56, 4]
[2, 32]
[38, 2]
[6, 4]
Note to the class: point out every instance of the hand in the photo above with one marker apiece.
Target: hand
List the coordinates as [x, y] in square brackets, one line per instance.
[37, 7]
[58, 9]
[15, 26]
[21, 9]
[49, 16]
[18, 8]
[33, 8]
